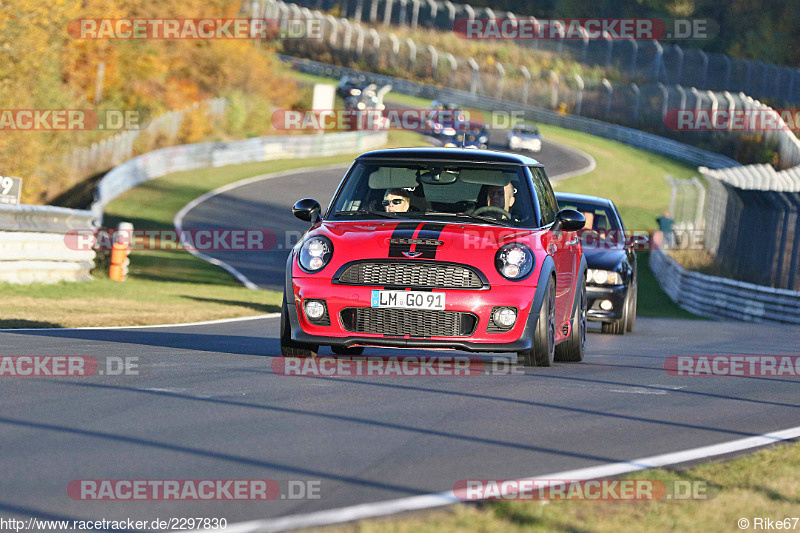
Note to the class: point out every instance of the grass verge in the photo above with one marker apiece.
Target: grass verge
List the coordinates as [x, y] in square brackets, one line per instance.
[165, 286]
[736, 489]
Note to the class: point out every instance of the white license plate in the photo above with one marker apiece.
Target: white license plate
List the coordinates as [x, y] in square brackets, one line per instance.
[408, 299]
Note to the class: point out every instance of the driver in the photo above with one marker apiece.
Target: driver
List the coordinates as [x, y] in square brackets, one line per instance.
[497, 196]
[397, 201]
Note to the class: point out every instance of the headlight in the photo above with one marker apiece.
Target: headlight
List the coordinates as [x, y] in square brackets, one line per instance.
[355, 92]
[448, 131]
[603, 277]
[514, 261]
[315, 253]
[514, 139]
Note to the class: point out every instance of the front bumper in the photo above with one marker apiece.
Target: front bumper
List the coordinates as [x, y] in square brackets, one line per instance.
[597, 293]
[478, 302]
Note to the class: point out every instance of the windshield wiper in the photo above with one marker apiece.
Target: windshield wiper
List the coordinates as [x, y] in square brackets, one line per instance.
[383, 214]
[488, 220]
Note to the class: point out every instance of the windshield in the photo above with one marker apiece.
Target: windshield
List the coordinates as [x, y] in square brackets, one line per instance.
[526, 131]
[601, 222]
[436, 190]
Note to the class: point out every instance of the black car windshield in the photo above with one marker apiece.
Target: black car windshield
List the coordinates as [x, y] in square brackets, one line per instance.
[446, 191]
[601, 221]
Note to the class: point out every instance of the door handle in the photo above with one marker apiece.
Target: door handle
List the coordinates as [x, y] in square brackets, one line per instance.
[573, 242]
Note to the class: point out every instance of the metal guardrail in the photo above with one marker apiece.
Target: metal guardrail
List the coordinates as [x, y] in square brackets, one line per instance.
[34, 245]
[206, 155]
[647, 141]
[722, 298]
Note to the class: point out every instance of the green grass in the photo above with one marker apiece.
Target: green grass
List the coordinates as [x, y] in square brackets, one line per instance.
[631, 177]
[765, 484]
[165, 286]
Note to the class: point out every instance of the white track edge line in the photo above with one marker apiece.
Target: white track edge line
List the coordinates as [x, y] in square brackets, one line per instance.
[178, 220]
[581, 171]
[178, 325]
[434, 500]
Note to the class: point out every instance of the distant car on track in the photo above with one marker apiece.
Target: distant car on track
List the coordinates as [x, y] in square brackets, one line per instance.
[351, 86]
[612, 279]
[524, 137]
[438, 248]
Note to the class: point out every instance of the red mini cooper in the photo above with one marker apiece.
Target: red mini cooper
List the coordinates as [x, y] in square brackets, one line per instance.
[432, 248]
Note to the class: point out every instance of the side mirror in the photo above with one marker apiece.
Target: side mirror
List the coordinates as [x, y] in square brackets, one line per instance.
[639, 242]
[569, 220]
[307, 209]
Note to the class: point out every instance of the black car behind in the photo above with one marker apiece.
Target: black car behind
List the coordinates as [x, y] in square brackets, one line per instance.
[612, 277]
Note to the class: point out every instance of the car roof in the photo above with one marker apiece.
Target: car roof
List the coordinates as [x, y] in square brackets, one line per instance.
[584, 198]
[450, 154]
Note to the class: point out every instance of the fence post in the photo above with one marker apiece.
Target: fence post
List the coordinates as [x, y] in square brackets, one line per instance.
[609, 94]
[579, 103]
[453, 67]
[501, 83]
[387, 13]
[526, 87]
[474, 76]
[636, 98]
[412, 53]
[554, 80]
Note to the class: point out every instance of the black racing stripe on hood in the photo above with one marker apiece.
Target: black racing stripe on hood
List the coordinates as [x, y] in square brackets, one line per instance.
[404, 230]
[429, 230]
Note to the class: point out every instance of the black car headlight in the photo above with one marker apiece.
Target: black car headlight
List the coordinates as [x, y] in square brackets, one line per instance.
[514, 261]
[315, 253]
[603, 277]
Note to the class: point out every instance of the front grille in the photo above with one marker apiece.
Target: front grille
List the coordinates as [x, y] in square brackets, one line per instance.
[415, 274]
[401, 322]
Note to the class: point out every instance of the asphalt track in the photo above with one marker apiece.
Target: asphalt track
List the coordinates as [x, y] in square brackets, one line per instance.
[207, 405]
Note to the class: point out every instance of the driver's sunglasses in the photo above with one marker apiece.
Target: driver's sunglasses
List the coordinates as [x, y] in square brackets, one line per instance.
[395, 201]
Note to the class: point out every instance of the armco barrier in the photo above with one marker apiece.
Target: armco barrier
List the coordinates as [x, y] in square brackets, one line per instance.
[33, 246]
[206, 155]
[630, 136]
[722, 298]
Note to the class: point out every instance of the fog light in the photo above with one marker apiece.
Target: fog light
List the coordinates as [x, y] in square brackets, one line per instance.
[606, 305]
[314, 309]
[504, 317]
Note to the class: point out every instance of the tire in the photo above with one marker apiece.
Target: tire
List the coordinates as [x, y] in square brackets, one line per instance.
[618, 327]
[343, 350]
[290, 348]
[543, 351]
[573, 349]
[633, 304]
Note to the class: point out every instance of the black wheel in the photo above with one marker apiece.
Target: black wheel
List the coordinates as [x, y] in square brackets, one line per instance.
[343, 350]
[617, 327]
[544, 338]
[633, 303]
[573, 349]
[290, 348]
